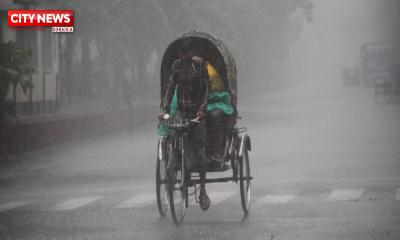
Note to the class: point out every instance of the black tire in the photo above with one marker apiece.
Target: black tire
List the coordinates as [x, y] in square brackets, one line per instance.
[176, 191]
[161, 182]
[245, 182]
[235, 161]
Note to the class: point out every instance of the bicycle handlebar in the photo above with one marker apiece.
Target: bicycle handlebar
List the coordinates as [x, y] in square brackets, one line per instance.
[179, 123]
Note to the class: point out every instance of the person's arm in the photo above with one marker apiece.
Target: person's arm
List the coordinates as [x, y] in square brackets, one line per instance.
[170, 90]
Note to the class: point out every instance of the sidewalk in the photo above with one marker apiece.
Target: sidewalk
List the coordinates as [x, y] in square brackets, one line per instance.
[33, 133]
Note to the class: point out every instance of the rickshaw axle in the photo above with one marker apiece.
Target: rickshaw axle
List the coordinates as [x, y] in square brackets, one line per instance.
[224, 179]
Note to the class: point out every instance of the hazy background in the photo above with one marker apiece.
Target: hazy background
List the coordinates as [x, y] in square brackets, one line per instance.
[112, 60]
[333, 40]
[275, 43]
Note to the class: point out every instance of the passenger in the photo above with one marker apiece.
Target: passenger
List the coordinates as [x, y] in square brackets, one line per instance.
[219, 109]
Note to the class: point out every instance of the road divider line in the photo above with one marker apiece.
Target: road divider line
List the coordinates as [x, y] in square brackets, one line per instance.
[11, 205]
[74, 203]
[277, 198]
[398, 194]
[138, 201]
[345, 194]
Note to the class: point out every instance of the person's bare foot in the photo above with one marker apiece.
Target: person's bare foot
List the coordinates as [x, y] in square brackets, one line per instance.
[204, 201]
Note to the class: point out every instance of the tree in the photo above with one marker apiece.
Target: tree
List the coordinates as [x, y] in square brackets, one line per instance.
[15, 70]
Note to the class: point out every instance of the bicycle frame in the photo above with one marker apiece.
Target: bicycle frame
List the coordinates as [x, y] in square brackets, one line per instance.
[178, 144]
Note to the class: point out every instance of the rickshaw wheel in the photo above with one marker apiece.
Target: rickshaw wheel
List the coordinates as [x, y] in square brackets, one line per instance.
[245, 182]
[176, 189]
[161, 181]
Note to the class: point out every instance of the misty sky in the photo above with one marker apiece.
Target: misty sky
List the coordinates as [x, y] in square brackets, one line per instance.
[332, 41]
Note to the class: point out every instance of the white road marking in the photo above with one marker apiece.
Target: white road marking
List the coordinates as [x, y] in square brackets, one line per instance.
[345, 194]
[277, 198]
[12, 205]
[398, 194]
[215, 197]
[146, 185]
[193, 201]
[342, 180]
[96, 191]
[138, 201]
[74, 203]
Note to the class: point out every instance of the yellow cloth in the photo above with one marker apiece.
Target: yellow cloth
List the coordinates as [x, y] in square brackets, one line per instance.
[215, 80]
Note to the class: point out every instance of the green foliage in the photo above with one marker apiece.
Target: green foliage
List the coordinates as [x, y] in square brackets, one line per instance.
[15, 69]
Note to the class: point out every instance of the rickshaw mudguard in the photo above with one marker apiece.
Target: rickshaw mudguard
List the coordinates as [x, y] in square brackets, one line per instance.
[161, 148]
[245, 142]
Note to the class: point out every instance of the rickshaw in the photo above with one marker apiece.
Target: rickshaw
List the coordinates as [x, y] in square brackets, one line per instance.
[385, 86]
[175, 183]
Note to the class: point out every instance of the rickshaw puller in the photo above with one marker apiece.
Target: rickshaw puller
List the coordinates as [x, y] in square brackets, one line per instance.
[189, 78]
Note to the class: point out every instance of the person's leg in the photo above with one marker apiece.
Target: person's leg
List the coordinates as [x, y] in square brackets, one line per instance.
[199, 138]
[204, 199]
[216, 133]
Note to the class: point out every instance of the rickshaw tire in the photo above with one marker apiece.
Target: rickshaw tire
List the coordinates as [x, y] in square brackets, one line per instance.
[170, 173]
[163, 211]
[245, 185]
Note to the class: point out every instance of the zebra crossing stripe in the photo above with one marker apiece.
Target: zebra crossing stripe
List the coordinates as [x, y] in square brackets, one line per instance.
[345, 194]
[216, 197]
[138, 201]
[11, 205]
[277, 198]
[74, 203]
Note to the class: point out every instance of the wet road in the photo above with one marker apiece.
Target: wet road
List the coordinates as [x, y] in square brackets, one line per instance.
[326, 165]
